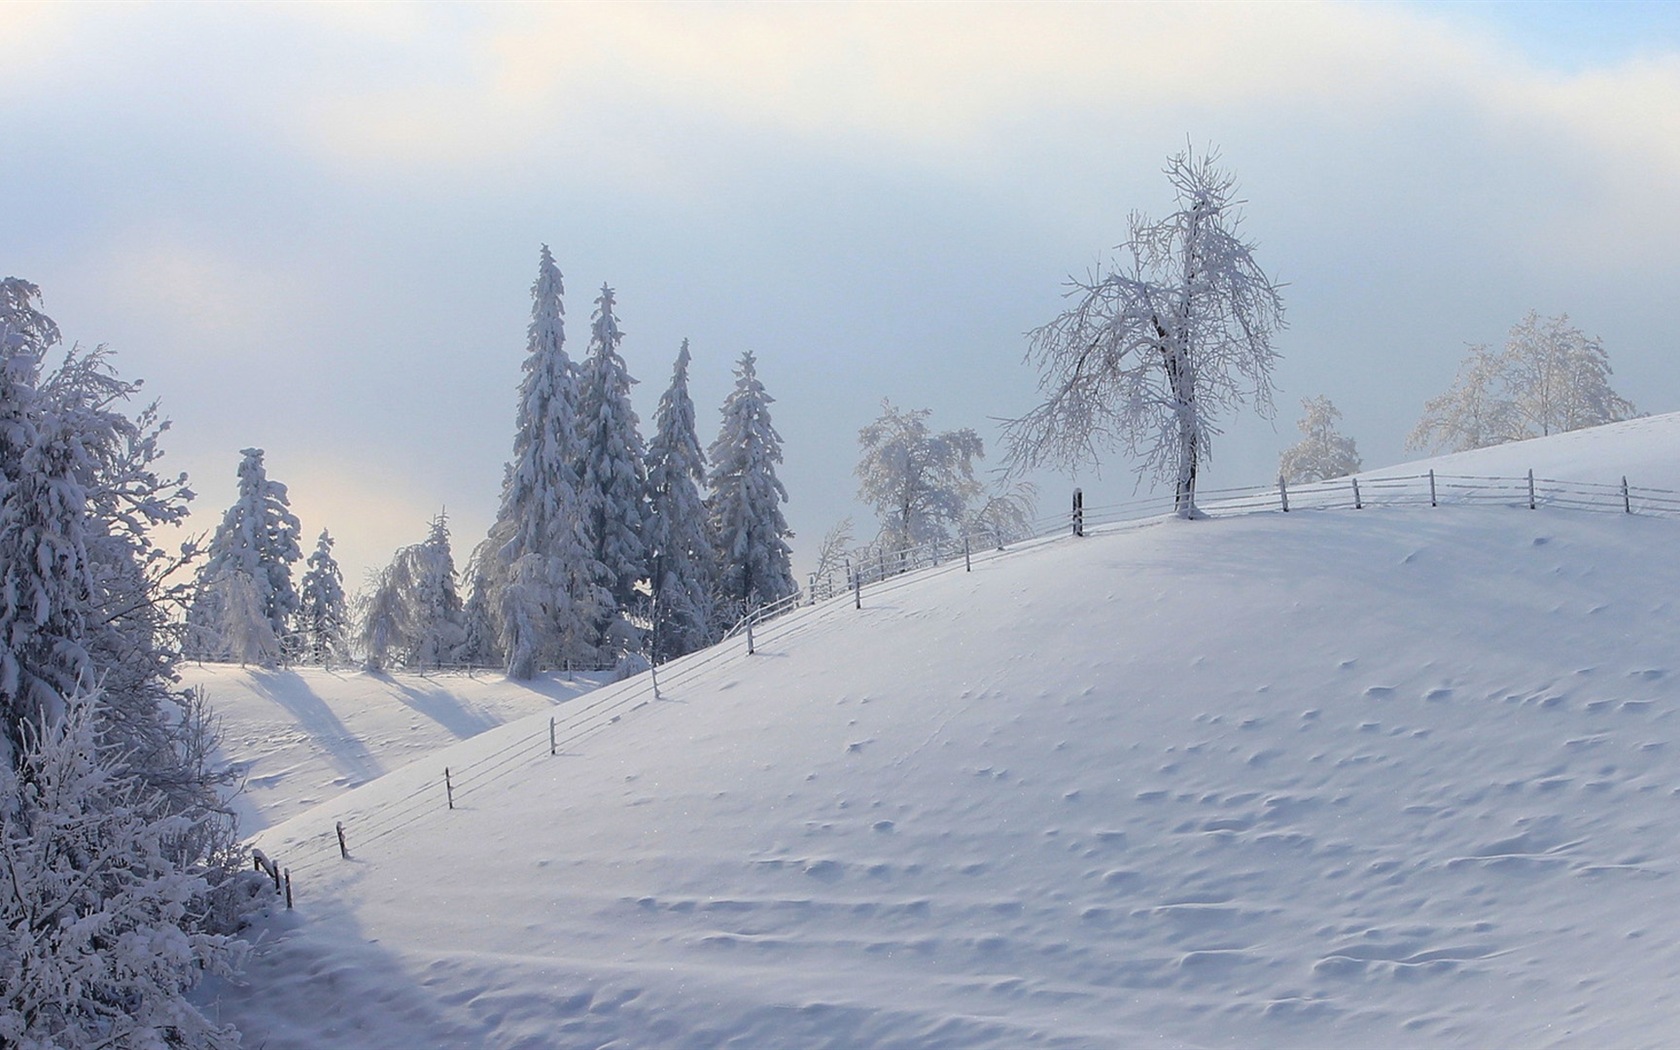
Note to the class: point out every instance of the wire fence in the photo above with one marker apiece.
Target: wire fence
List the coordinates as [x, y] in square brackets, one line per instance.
[431, 794]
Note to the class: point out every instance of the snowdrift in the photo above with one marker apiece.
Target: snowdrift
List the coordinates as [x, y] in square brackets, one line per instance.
[1396, 776]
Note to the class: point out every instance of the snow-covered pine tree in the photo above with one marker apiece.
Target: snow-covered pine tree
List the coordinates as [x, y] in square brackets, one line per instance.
[258, 537]
[679, 549]
[439, 630]
[542, 585]
[1323, 451]
[323, 617]
[753, 557]
[613, 464]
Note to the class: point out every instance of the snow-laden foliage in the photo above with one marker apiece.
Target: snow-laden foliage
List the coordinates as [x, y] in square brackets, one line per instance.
[1157, 347]
[920, 483]
[679, 549]
[323, 617]
[257, 540]
[413, 616]
[115, 846]
[538, 587]
[1323, 451]
[613, 463]
[745, 501]
[1550, 378]
[99, 941]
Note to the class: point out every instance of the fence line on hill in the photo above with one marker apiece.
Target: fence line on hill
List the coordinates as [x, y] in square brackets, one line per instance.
[884, 572]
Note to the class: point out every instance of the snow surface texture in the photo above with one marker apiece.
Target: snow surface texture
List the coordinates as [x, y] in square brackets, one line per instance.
[306, 735]
[1399, 776]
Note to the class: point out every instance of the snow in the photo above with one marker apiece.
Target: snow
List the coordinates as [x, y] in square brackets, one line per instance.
[307, 735]
[1398, 776]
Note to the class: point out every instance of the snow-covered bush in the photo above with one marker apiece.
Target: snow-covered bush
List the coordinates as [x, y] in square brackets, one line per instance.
[101, 912]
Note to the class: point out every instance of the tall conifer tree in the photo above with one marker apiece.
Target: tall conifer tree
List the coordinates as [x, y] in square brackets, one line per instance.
[613, 468]
[257, 539]
[679, 548]
[546, 591]
[753, 557]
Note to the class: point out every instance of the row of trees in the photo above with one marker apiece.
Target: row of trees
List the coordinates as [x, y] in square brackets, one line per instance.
[603, 547]
[118, 860]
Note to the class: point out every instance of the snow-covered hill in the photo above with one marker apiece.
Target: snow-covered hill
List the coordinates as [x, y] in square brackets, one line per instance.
[1401, 776]
[304, 736]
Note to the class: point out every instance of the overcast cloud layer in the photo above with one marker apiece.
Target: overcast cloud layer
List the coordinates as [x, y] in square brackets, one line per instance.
[313, 228]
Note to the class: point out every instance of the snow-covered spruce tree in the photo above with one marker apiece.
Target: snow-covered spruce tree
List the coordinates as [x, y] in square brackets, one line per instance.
[413, 615]
[99, 940]
[1154, 349]
[1549, 378]
[542, 585]
[1323, 451]
[745, 499]
[613, 465]
[323, 617]
[920, 483]
[258, 538]
[679, 549]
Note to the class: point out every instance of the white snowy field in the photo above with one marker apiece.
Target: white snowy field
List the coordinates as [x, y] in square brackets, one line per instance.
[1388, 777]
[306, 735]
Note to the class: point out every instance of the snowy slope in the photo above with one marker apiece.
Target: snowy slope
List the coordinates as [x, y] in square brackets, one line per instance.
[1645, 450]
[307, 735]
[1401, 776]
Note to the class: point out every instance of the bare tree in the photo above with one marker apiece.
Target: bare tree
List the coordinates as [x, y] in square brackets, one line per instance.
[1323, 451]
[1156, 348]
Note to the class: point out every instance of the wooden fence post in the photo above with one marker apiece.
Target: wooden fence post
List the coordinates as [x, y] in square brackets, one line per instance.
[288, 889]
[1357, 505]
[1531, 490]
[968, 562]
[1432, 502]
[343, 850]
[749, 635]
[1079, 512]
[552, 747]
[448, 787]
[1283, 493]
[1627, 504]
[857, 587]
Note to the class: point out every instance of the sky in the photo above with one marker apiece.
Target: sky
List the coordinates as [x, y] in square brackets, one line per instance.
[312, 228]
